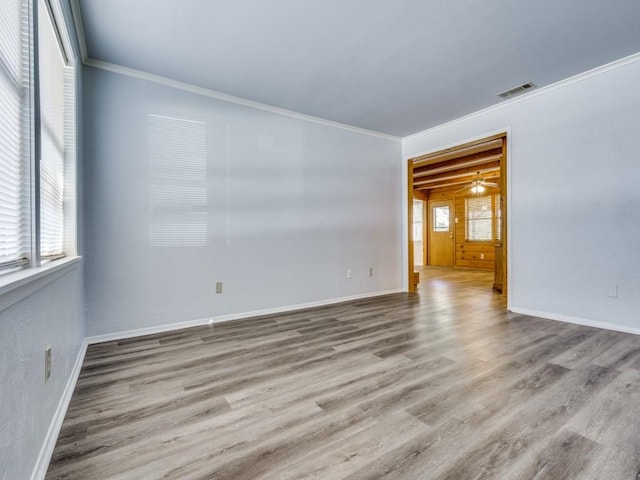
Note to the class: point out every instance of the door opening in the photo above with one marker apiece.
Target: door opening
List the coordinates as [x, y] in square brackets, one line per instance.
[463, 190]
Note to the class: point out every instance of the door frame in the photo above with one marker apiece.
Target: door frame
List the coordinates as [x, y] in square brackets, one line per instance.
[505, 195]
[411, 286]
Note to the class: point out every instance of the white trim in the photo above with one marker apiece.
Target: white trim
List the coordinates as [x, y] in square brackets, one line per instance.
[60, 25]
[109, 337]
[527, 96]
[508, 218]
[44, 457]
[130, 72]
[457, 143]
[404, 202]
[577, 320]
[18, 285]
[76, 13]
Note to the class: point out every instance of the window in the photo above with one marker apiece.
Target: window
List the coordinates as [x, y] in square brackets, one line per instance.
[441, 219]
[497, 230]
[13, 140]
[37, 135]
[483, 218]
[417, 220]
[56, 127]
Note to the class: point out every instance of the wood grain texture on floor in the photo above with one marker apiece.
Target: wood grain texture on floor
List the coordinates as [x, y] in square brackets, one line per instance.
[443, 384]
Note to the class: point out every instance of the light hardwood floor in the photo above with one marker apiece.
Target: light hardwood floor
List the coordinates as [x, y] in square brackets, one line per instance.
[445, 384]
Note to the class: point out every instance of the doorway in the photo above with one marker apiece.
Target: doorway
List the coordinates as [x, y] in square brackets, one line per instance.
[464, 191]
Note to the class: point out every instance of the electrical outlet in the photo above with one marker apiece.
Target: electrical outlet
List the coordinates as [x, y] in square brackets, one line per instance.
[218, 287]
[371, 271]
[47, 363]
[349, 275]
[482, 256]
[613, 291]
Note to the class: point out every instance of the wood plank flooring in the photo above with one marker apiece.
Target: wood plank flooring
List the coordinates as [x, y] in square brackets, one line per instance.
[445, 384]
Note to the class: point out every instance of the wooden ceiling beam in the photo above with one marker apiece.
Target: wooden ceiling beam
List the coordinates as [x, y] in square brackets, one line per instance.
[453, 153]
[454, 182]
[484, 169]
[468, 178]
[448, 166]
[418, 195]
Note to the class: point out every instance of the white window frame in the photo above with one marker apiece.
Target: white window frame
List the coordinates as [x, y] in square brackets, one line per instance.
[492, 219]
[39, 271]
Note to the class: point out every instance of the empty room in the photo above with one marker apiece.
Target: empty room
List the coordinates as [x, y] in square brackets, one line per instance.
[300, 239]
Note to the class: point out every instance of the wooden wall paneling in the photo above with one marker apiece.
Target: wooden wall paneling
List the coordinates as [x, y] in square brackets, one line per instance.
[488, 256]
[480, 264]
[476, 247]
[469, 254]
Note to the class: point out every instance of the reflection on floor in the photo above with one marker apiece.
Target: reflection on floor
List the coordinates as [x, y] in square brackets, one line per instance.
[447, 284]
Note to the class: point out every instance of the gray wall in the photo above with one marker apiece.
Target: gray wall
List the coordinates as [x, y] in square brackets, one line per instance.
[574, 198]
[52, 315]
[45, 312]
[288, 206]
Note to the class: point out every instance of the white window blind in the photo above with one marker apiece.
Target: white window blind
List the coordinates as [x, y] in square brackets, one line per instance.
[14, 54]
[479, 216]
[52, 76]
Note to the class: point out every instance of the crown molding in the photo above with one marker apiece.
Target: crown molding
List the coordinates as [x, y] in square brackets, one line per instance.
[535, 93]
[168, 82]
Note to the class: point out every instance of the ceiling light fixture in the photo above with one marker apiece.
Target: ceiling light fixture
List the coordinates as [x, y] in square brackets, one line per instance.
[478, 185]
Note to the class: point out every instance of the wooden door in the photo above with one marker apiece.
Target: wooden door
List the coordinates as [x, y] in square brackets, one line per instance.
[441, 228]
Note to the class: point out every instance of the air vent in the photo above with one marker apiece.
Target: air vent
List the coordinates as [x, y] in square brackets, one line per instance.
[520, 89]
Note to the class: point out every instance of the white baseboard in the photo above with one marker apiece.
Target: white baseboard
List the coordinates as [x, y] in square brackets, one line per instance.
[109, 337]
[44, 457]
[576, 320]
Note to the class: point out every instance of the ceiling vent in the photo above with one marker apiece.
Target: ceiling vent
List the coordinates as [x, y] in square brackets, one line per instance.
[520, 89]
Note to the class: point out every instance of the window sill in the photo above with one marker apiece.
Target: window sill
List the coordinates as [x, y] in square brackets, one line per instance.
[17, 285]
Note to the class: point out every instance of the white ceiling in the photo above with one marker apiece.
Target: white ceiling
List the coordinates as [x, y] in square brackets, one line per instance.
[393, 66]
